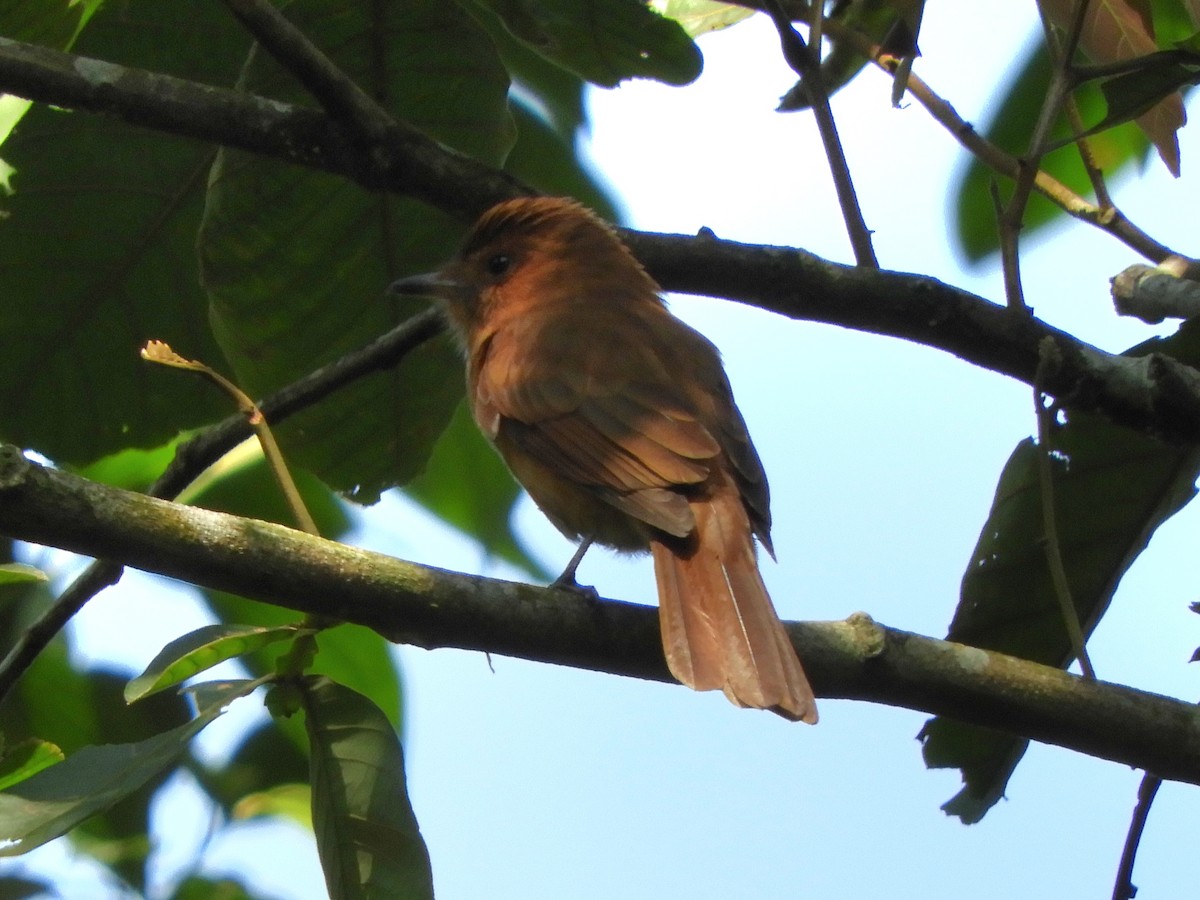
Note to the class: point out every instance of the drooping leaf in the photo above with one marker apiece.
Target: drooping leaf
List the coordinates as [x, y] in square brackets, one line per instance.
[300, 280]
[52, 802]
[97, 249]
[367, 835]
[1160, 75]
[556, 90]
[118, 836]
[605, 41]
[133, 470]
[199, 650]
[1119, 30]
[1113, 488]
[242, 484]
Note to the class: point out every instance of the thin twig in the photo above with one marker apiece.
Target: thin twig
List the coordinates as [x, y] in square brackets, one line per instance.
[1107, 218]
[160, 352]
[1050, 537]
[337, 93]
[410, 162]
[804, 62]
[1087, 157]
[37, 636]
[1012, 218]
[1123, 887]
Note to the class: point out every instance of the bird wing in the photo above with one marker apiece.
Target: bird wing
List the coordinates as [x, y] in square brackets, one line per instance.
[598, 410]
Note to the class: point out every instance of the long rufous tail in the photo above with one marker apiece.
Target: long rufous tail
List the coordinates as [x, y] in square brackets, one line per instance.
[719, 627]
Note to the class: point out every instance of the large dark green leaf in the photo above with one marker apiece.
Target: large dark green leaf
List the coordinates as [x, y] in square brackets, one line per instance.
[296, 261]
[557, 90]
[96, 251]
[51, 23]
[604, 41]
[1113, 488]
[367, 834]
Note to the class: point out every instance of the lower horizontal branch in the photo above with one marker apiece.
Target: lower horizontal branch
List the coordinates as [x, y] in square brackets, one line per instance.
[408, 603]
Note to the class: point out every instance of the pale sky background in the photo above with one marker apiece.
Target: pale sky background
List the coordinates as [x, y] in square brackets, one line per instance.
[533, 781]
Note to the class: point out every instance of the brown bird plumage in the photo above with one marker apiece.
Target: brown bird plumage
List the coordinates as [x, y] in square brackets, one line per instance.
[620, 423]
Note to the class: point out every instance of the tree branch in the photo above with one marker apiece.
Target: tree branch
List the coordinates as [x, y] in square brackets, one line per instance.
[404, 160]
[1153, 394]
[198, 453]
[427, 607]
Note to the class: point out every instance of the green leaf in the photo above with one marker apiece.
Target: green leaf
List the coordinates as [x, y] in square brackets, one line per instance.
[97, 251]
[19, 574]
[51, 23]
[1157, 76]
[1113, 488]
[298, 281]
[974, 212]
[133, 470]
[701, 16]
[199, 650]
[289, 801]
[468, 486]
[57, 799]
[558, 91]
[605, 41]
[25, 760]
[367, 835]
[350, 654]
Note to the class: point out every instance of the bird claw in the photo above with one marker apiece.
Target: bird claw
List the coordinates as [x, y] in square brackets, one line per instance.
[566, 582]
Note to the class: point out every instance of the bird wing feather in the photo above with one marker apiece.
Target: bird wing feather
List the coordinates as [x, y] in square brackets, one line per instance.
[633, 442]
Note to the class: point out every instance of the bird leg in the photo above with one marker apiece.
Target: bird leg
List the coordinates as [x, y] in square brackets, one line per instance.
[566, 580]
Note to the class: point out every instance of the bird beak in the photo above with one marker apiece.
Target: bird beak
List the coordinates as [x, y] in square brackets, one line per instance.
[431, 284]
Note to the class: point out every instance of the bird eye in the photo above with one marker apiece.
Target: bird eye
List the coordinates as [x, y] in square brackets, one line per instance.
[499, 264]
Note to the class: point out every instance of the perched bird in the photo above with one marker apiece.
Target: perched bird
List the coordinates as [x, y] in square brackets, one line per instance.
[620, 423]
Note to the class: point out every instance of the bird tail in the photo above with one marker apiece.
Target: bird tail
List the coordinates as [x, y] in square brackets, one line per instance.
[719, 627]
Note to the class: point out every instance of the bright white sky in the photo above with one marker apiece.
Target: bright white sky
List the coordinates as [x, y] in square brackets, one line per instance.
[538, 782]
